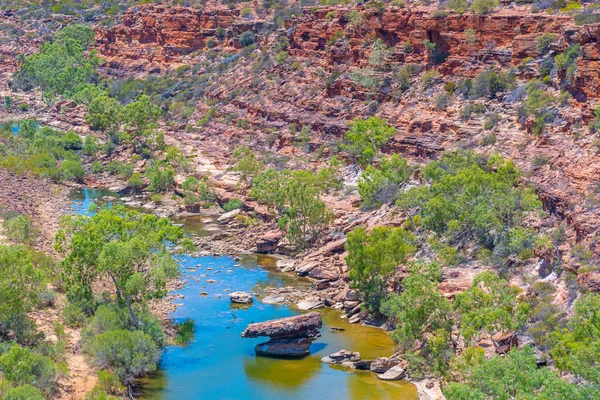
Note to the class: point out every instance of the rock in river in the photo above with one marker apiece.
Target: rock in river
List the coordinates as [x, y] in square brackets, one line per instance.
[341, 356]
[393, 374]
[290, 337]
[240, 297]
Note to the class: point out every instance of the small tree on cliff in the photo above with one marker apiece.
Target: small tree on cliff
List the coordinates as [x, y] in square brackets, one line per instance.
[127, 248]
[365, 137]
[373, 258]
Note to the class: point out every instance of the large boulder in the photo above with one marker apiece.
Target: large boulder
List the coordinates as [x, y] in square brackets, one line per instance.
[382, 364]
[228, 216]
[290, 337]
[268, 242]
[240, 297]
[393, 374]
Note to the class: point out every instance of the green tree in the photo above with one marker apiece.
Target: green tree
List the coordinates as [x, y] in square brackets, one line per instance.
[484, 6]
[22, 276]
[246, 163]
[140, 118]
[365, 137]
[490, 306]
[372, 260]
[577, 349]
[62, 67]
[381, 186]
[295, 197]
[422, 313]
[104, 114]
[469, 196]
[161, 177]
[516, 376]
[125, 247]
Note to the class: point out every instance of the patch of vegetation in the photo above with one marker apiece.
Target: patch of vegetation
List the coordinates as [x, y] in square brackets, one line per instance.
[378, 186]
[366, 137]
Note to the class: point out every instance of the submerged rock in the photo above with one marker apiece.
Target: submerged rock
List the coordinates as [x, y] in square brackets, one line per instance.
[342, 356]
[274, 299]
[240, 297]
[290, 337]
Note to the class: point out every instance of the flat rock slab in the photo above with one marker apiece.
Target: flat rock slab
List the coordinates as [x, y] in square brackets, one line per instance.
[393, 374]
[274, 299]
[306, 325]
[341, 357]
[310, 304]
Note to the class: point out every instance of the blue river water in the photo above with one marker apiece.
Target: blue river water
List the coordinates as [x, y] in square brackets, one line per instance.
[220, 364]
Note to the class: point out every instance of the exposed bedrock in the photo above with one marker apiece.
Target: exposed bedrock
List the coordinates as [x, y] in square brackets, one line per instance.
[289, 337]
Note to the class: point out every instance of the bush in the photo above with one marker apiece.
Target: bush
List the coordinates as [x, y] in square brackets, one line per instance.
[25, 392]
[233, 204]
[372, 259]
[123, 170]
[247, 38]
[161, 178]
[489, 83]
[21, 366]
[544, 41]
[72, 170]
[185, 332]
[491, 121]
[129, 355]
[484, 6]
[19, 229]
[365, 137]
[90, 146]
[96, 167]
[135, 182]
[381, 186]
[470, 196]
[73, 316]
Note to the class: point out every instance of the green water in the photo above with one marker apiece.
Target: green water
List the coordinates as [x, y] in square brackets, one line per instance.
[220, 364]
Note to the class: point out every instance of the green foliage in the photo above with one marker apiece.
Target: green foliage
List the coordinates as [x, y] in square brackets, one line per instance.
[19, 229]
[516, 376]
[61, 67]
[124, 247]
[21, 366]
[296, 198]
[544, 41]
[25, 392]
[460, 6]
[422, 313]
[96, 167]
[72, 170]
[489, 83]
[136, 182]
[104, 114]
[545, 316]
[372, 260]
[577, 349]
[247, 38]
[365, 137]
[233, 204]
[185, 332]
[246, 163]
[161, 177]
[471, 197]
[22, 277]
[129, 355]
[381, 186]
[490, 306]
[90, 146]
[484, 6]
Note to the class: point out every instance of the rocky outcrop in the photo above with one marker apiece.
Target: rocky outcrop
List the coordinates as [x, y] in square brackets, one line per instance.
[240, 297]
[341, 357]
[289, 337]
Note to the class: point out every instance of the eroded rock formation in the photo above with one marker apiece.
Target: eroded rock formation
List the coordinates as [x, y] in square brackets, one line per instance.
[289, 337]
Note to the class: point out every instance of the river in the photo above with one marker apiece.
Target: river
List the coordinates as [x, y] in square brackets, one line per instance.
[220, 364]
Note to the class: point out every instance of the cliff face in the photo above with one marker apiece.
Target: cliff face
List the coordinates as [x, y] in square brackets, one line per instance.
[154, 37]
[321, 93]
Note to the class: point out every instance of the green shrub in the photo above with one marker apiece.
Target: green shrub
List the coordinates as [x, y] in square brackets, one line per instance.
[470, 196]
[460, 6]
[372, 259]
[381, 186]
[129, 355]
[491, 121]
[72, 170]
[365, 137]
[484, 6]
[489, 83]
[96, 167]
[135, 182]
[233, 204]
[73, 316]
[25, 392]
[21, 366]
[185, 332]
[544, 41]
[247, 38]
[19, 229]
[90, 146]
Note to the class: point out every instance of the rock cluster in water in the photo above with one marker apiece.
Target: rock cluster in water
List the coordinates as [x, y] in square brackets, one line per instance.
[289, 337]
